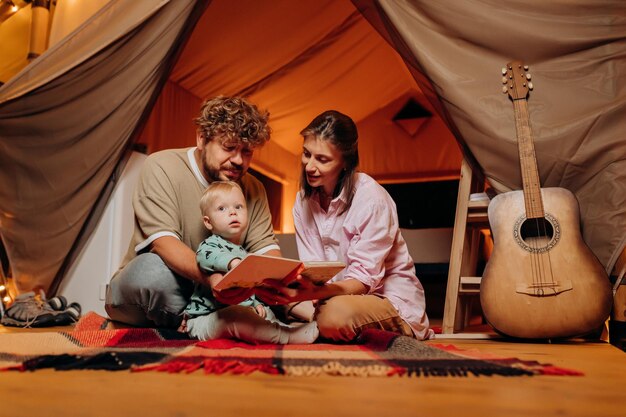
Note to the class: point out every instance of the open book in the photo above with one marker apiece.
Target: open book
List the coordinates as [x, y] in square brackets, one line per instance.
[254, 269]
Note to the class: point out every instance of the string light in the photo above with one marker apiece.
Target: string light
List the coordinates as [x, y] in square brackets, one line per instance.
[11, 4]
[5, 296]
[9, 8]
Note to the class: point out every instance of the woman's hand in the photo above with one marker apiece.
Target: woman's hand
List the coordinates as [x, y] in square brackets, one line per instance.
[229, 295]
[274, 292]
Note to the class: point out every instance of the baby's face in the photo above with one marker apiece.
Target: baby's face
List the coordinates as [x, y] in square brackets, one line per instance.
[228, 215]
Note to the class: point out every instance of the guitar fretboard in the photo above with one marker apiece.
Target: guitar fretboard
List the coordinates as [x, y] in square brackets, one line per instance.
[528, 161]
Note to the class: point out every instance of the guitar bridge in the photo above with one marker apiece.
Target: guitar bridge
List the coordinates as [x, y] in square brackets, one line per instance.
[544, 289]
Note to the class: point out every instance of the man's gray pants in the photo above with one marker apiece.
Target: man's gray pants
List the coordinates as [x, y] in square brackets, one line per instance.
[147, 293]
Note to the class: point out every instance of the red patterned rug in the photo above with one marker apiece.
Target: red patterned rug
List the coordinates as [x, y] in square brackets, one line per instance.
[94, 344]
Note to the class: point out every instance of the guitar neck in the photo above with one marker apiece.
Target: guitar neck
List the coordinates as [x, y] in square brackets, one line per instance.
[528, 161]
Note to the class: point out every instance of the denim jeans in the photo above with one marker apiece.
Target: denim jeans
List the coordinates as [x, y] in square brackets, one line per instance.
[147, 293]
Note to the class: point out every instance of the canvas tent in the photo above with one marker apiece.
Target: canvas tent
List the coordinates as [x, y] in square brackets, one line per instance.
[68, 119]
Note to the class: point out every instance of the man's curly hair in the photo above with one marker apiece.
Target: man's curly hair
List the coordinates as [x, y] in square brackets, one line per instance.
[235, 119]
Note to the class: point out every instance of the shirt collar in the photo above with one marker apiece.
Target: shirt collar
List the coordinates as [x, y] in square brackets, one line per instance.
[195, 168]
[340, 201]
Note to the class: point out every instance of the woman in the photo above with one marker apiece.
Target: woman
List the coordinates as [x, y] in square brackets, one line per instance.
[344, 215]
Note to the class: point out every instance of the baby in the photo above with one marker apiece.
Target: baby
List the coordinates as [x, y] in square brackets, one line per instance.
[225, 215]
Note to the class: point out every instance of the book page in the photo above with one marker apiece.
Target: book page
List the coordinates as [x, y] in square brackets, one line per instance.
[319, 272]
[254, 269]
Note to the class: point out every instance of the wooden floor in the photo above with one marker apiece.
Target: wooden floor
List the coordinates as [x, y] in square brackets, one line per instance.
[601, 392]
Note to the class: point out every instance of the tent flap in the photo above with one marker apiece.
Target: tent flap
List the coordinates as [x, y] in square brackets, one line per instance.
[577, 108]
[61, 140]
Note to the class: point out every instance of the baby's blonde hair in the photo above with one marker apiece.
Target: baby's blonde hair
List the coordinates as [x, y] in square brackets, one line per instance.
[214, 189]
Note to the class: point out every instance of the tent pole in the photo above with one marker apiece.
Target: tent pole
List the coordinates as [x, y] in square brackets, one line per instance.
[39, 28]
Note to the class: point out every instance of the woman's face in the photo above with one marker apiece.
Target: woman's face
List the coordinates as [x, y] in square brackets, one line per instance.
[322, 163]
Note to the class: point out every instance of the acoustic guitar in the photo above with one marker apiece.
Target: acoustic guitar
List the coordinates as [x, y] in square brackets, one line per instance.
[541, 280]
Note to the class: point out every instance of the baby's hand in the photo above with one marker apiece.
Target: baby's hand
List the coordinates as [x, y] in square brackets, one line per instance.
[260, 310]
[234, 263]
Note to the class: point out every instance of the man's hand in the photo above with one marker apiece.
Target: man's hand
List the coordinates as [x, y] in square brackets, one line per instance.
[228, 295]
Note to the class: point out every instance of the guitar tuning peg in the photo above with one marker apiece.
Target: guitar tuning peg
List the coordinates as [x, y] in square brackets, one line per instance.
[530, 86]
[504, 89]
[526, 67]
[528, 76]
[503, 71]
[504, 80]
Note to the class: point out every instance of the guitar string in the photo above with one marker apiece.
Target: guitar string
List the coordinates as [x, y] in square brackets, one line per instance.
[541, 264]
[542, 229]
[545, 256]
[527, 201]
[531, 175]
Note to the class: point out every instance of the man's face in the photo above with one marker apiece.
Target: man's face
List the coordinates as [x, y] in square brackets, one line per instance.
[223, 159]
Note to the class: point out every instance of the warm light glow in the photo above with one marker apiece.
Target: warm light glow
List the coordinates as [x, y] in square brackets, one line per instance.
[6, 299]
[14, 8]
[2, 288]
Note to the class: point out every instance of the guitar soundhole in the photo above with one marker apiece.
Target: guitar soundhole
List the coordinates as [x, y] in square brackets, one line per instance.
[537, 235]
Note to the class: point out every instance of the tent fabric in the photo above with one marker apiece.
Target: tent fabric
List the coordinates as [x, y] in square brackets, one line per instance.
[295, 59]
[576, 51]
[68, 118]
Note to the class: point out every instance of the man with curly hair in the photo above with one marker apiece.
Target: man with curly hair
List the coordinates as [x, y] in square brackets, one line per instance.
[157, 276]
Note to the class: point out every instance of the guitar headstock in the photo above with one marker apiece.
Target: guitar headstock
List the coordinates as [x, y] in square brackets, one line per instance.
[516, 80]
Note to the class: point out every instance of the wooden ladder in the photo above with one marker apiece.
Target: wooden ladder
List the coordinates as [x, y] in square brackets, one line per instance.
[470, 221]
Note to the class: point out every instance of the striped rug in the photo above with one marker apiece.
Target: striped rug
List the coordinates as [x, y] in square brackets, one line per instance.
[95, 344]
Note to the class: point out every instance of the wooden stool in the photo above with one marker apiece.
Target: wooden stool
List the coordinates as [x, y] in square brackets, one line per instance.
[471, 218]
